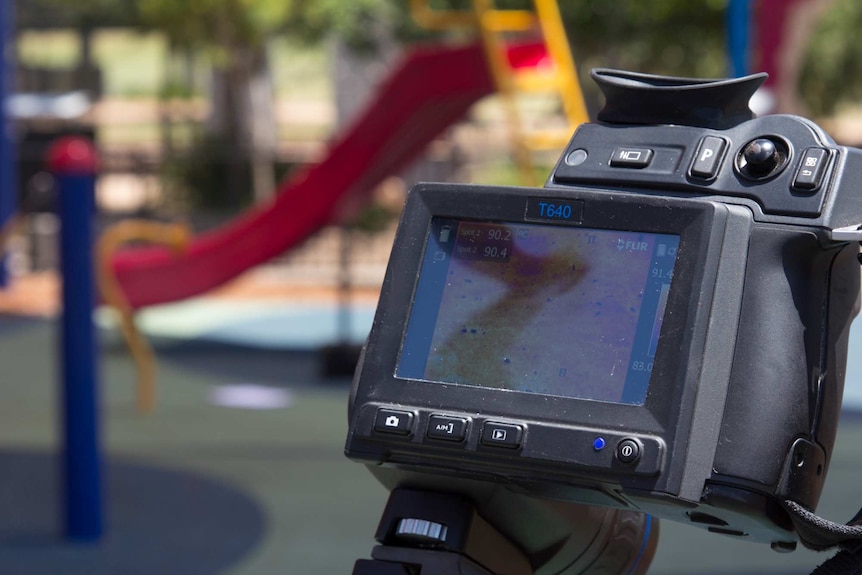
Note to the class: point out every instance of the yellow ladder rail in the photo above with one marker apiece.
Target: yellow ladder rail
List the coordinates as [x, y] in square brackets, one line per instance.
[495, 20]
[431, 19]
[175, 236]
[491, 24]
[568, 85]
[504, 79]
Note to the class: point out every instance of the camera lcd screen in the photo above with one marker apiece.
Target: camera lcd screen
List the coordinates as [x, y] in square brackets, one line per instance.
[556, 310]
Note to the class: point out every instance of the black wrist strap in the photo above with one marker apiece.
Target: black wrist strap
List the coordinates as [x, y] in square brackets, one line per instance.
[842, 563]
[821, 534]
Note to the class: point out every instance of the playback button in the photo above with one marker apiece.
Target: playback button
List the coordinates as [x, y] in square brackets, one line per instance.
[392, 421]
[502, 434]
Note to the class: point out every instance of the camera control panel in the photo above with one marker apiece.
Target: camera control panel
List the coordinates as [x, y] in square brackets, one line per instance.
[785, 175]
[684, 282]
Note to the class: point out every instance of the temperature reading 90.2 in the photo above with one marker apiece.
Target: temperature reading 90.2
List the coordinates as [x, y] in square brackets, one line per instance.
[499, 234]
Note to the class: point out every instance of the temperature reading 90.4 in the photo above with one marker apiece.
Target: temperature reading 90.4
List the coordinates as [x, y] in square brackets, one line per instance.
[493, 252]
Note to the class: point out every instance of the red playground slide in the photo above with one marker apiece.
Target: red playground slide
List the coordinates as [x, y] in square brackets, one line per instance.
[432, 88]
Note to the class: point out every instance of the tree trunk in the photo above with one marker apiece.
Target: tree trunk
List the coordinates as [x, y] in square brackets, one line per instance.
[801, 23]
[243, 119]
[264, 128]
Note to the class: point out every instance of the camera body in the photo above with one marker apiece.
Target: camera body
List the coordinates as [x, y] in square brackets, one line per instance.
[663, 327]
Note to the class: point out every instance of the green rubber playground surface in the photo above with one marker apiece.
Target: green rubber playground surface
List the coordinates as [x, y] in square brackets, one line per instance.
[240, 470]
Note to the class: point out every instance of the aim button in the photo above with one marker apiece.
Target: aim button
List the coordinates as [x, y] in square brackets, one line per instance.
[447, 428]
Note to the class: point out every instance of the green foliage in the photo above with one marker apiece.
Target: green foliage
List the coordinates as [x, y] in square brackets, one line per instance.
[77, 13]
[677, 37]
[359, 23]
[374, 218]
[832, 71]
[660, 36]
[505, 173]
[211, 177]
[203, 179]
[213, 23]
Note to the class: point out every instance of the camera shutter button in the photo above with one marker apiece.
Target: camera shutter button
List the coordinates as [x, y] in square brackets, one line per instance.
[629, 450]
[393, 421]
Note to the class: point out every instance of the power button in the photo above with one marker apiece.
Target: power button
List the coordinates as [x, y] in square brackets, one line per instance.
[628, 450]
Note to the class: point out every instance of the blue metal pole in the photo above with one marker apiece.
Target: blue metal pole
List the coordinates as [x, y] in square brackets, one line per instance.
[73, 163]
[8, 172]
[738, 36]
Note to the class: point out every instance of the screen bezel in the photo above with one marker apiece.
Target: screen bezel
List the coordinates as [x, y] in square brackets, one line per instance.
[670, 393]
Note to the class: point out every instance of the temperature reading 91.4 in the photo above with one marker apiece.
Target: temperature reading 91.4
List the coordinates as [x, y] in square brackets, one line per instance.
[662, 273]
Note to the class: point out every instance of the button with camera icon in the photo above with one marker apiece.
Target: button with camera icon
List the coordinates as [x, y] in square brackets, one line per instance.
[394, 421]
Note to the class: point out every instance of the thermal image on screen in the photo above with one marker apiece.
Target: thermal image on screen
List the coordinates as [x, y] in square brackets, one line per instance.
[566, 311]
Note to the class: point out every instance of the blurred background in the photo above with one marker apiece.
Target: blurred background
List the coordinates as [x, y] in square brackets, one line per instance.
[264, 147]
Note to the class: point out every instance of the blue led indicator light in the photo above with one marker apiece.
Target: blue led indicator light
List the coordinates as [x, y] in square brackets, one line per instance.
[599, 443]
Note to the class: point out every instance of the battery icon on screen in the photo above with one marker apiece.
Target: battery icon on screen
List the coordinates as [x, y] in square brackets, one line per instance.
[444, 234]
[661, 251]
